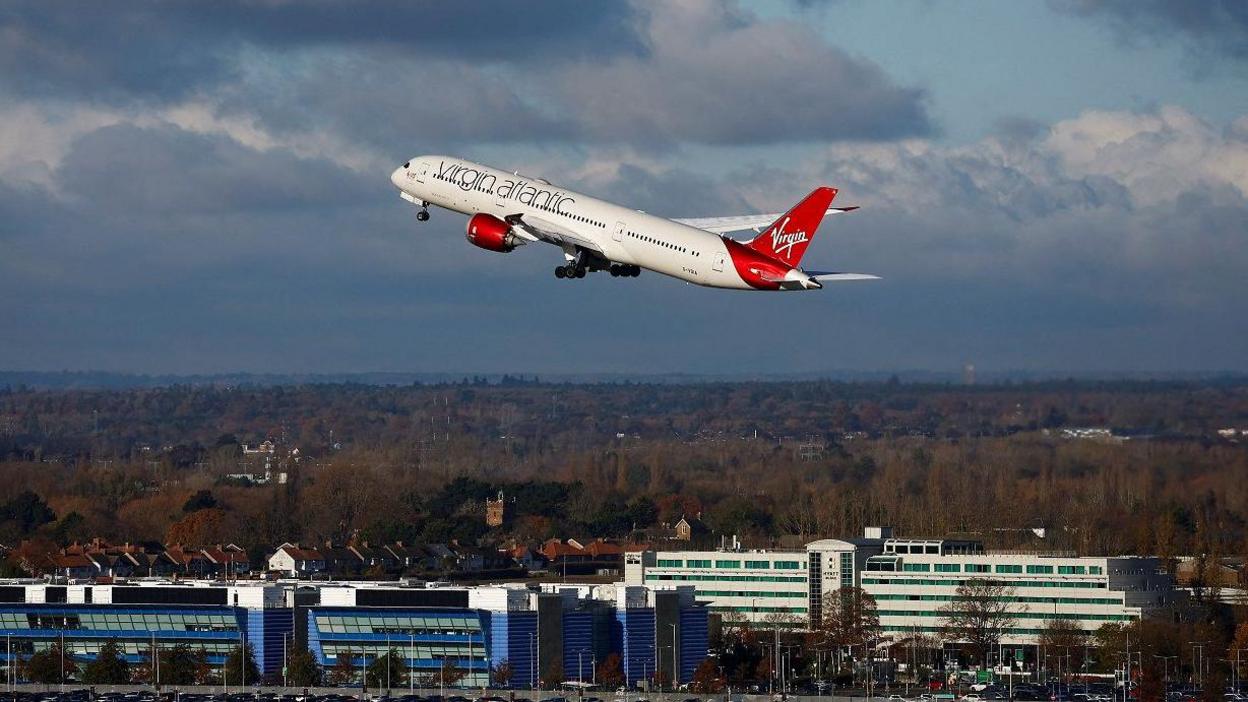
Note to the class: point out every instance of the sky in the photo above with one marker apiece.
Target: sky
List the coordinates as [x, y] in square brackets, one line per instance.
[1046, 186]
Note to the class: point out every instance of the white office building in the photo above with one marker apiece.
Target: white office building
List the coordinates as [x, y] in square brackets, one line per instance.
[741, 586]
[912, 580]
[915, 582]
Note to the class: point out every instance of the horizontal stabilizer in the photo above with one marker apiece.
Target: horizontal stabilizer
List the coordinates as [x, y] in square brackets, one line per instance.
[837, 277]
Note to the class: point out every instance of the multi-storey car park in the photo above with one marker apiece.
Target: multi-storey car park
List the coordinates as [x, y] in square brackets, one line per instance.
[567, 630]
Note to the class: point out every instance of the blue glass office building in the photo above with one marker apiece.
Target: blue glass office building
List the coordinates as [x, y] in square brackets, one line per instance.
[216, 620]
[553, 631]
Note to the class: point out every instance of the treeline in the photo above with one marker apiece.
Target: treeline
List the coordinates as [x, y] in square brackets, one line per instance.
[765, 461]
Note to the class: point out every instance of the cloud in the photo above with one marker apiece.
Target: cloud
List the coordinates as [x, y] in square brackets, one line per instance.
[718, 75]
[392, 73]
[1208, 29]
[162, 52]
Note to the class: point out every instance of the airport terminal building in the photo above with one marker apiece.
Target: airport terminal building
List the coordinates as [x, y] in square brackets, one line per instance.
[541, 632]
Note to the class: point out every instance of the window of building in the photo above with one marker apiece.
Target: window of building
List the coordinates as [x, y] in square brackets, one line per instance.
[1071, 570]
[788, 565]
[948, 568]
[1039, 569]
[1096, 570]
[915, 567]
[695, 563]
[1009, 569]
[977, 568]
[758, 565]
[727, 564]
[667, 563]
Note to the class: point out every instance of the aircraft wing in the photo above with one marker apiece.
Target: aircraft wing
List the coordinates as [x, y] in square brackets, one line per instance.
[536, 229]
[756, 222]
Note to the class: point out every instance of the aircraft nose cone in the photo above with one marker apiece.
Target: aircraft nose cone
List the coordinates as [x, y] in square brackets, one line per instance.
[399, 175]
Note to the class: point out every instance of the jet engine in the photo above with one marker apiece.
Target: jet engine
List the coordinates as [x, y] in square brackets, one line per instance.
[491, 233]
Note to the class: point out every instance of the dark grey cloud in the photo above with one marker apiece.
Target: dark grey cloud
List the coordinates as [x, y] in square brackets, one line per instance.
[170, 171]
[1209, 28]
[166, 51]
[382, 74]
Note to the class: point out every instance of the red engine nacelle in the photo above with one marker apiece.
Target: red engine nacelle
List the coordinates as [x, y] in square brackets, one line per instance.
[491, 233]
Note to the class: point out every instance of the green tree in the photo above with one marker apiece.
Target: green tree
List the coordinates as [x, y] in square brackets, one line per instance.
[389, 668]
[240, 666]
[302, 670]
[45, 666]
[27, 511]
[108, 668]
[202, 499]
[178, 665]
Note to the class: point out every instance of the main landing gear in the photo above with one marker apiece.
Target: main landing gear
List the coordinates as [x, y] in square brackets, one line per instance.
[618, 270]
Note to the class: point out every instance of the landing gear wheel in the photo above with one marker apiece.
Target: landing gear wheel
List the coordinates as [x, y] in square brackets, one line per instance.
[560, 272]
[580, 272]
[423, 215]
[615, 271]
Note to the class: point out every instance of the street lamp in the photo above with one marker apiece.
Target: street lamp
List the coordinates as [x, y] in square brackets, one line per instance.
[1198, 657]
[675, 667]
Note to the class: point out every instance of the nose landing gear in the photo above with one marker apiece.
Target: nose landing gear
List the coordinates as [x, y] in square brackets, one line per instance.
[423, 215]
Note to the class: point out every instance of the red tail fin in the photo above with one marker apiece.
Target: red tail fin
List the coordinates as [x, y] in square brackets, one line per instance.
[787, 238]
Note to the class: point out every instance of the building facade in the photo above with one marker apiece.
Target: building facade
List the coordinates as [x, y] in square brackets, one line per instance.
[142, 618]
[763, 587]
[542, 633]
[914, 583]
[914, 587]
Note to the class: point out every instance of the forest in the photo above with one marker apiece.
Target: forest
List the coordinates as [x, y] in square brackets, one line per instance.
[1099, 467]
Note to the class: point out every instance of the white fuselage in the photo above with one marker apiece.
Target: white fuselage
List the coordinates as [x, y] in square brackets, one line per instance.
[622, 235]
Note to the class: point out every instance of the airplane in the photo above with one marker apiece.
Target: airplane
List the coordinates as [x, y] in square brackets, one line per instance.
[507, 210]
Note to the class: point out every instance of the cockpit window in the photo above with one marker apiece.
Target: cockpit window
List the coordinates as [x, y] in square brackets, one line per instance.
[407, 165]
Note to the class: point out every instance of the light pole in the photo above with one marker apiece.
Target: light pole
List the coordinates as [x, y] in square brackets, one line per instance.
[1198, 656]
[411, 662]
[1165, 666]
[532, 661]
[675, 667]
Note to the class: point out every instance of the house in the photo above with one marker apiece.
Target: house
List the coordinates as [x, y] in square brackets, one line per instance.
[691, 529]
[191, 561]
[73, 566]
[525, 557]
[229, 560]
[375, 557]
[341, 560]
[295, 560]
[412, 557]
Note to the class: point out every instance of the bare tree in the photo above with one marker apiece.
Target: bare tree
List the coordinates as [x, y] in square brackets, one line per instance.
[1062, 640]
[979, 614]
[850, 618]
